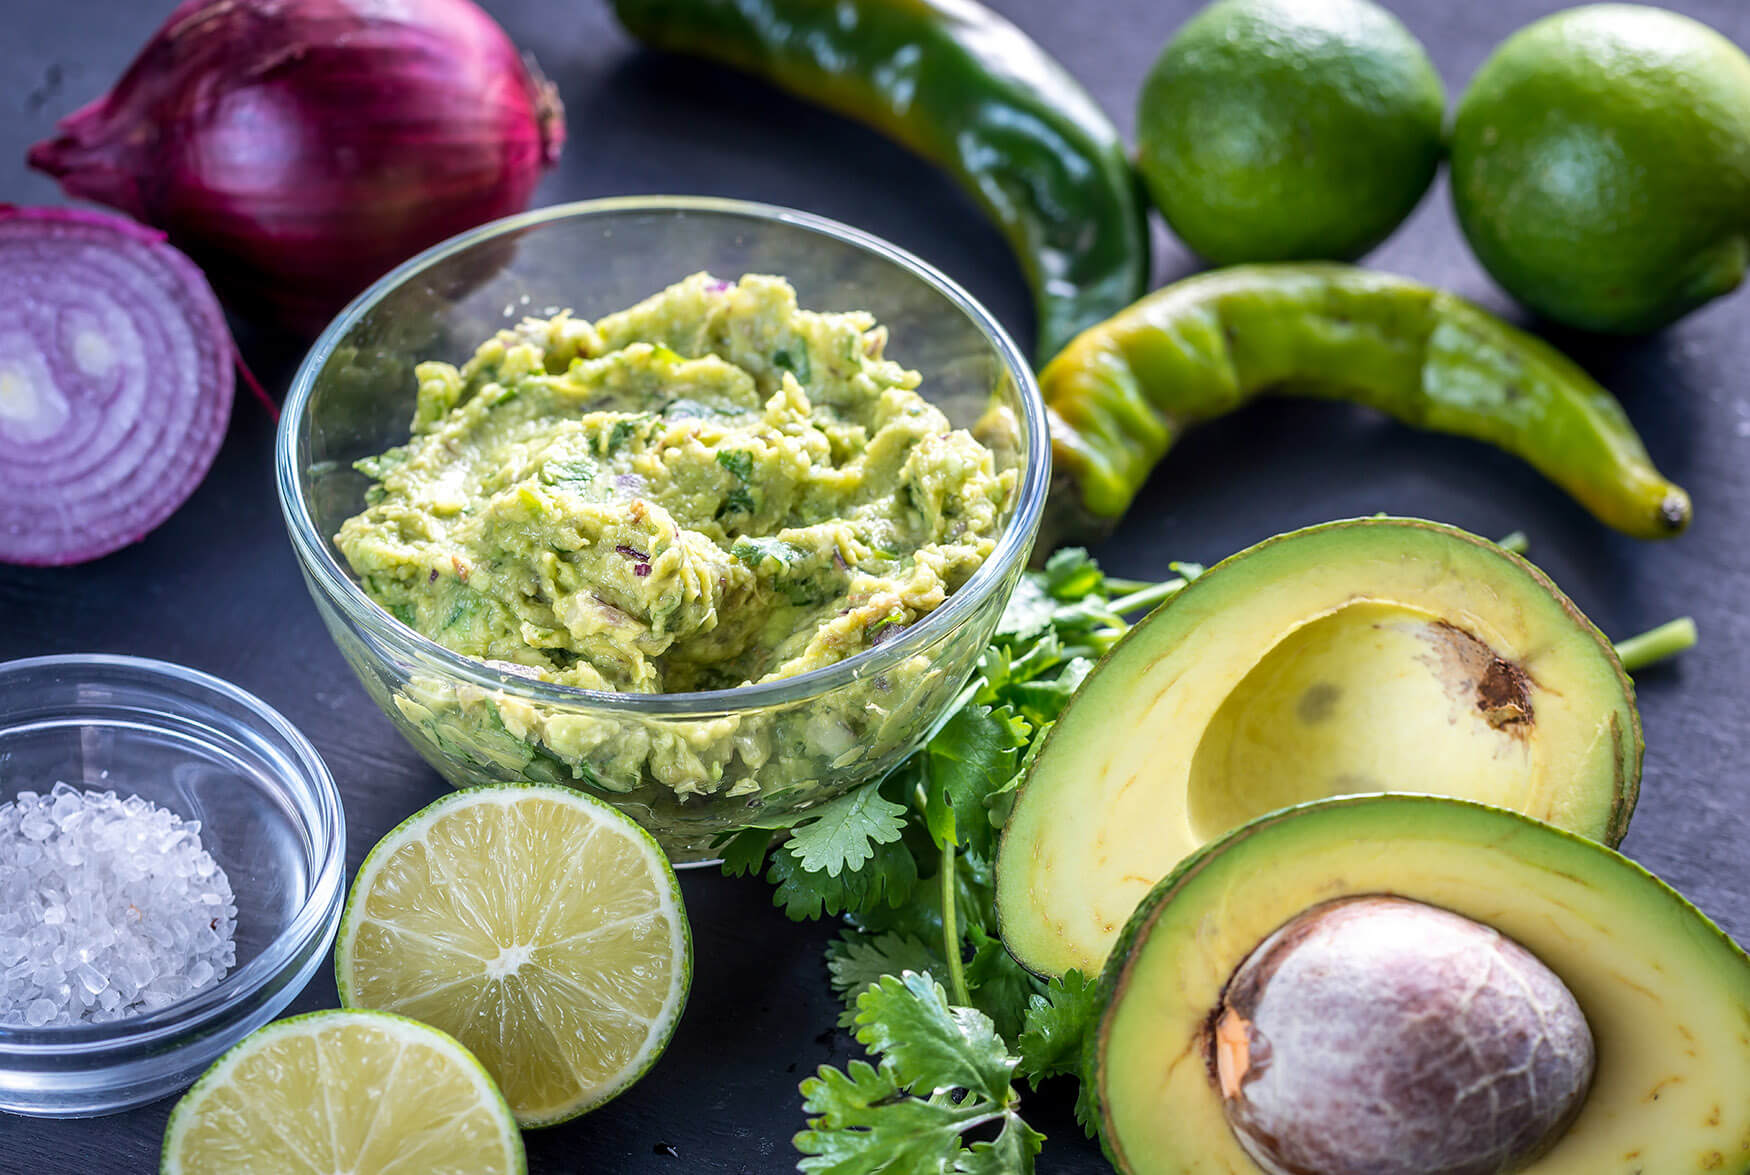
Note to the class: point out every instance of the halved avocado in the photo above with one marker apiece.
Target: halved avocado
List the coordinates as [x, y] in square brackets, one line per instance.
[1665, 992]
[1376, 654]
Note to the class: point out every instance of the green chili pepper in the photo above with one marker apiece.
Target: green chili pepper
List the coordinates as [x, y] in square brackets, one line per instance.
[1122, 392]
[969, 91]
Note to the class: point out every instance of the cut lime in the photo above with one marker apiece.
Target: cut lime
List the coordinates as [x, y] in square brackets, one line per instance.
[362, 1092]
[539, 926]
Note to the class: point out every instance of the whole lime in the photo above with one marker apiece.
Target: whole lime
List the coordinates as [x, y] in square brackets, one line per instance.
[1280, 130]
[1601, 166]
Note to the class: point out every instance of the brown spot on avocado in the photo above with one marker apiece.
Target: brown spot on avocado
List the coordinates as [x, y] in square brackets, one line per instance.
[1504, 694]
[1318, 703]
[1476, 675]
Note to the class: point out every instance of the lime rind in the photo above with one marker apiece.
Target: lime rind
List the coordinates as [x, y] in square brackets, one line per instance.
[659, 1030]
[219, 1075]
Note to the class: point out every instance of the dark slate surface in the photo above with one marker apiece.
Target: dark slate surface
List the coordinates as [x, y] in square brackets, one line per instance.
[216, 586]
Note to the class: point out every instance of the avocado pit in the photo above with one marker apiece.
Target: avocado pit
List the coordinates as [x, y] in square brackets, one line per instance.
[1376, 1035]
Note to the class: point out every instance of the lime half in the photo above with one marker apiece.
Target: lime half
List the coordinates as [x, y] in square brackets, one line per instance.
[540, 927]
[361, 1092]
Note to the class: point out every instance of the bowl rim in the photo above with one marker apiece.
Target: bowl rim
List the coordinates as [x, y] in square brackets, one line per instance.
[1012, 549]
[320, 907]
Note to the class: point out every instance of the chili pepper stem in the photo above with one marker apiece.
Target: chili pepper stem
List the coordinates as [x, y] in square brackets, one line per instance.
[1657, 644]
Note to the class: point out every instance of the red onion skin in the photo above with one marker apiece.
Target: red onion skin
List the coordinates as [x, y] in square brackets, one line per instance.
[297, 150]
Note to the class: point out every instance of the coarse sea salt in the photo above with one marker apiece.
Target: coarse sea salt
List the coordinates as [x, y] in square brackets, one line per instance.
[108, 908]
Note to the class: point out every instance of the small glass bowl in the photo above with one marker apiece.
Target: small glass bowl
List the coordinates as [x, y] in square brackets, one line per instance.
[688, 766]
[270, 816]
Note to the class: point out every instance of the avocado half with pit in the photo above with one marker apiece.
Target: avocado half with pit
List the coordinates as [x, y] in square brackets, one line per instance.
[1218, 1052]
[1376, 654]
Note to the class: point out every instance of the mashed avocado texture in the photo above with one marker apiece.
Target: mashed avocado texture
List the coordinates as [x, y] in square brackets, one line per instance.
[709, 489]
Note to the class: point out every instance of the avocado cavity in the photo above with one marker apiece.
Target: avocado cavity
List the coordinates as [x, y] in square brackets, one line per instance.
[1378, 1036]
[1444, 714]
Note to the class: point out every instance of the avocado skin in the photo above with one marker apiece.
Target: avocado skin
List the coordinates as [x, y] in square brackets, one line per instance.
[1727, 961]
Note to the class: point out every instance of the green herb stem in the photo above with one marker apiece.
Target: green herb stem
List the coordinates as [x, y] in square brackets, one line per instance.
[951, 930]
[1124, 586]
[1147, 597]
[1656, 644]
[1516, 543]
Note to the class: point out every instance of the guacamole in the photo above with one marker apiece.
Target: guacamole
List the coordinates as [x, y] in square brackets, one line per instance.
[709, 489]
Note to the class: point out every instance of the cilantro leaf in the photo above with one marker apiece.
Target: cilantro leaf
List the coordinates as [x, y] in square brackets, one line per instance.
[862, 1125]
[1001, 801]
[1058, 1024]
[1028, 611]
[856, 960]
[795, 362]
[973, 754]
[943, 1071]
[1012, 1151]
[1087, 1108]
[885, 879]
[1001, 987]
[1043, 701]
[745, 852]
[1071, 574]
[933, 1046]
[739, 463]
[843, 833]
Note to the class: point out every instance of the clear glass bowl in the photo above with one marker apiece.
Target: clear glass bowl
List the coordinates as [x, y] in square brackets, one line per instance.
[270, 816]
[688, 766]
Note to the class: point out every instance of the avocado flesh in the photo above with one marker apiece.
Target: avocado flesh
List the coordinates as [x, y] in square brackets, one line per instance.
[1366, 655]
[1666, 993]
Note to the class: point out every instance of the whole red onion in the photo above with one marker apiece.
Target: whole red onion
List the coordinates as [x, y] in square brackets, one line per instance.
[299, 149]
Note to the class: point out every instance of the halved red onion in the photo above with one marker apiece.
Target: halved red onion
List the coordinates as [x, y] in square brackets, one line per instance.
[115, 383]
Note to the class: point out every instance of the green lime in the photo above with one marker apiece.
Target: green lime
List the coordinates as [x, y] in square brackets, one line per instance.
[1282, 130]
[539, 926]
[1601, 166]
[362, 1092]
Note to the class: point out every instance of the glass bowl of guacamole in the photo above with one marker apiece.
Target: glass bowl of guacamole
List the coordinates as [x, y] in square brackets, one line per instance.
[704, 507]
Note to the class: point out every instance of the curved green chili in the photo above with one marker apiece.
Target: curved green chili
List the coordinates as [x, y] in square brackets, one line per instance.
[1122, 392]
[968, 91]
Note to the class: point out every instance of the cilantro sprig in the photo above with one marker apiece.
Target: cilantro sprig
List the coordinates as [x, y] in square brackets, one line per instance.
[907, 864]
[943, 1072]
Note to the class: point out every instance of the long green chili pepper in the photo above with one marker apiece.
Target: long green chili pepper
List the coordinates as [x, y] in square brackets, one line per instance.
[1122, 392]
[969, 91]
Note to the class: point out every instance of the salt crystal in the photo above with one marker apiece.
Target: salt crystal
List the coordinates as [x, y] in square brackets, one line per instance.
[107, 908]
